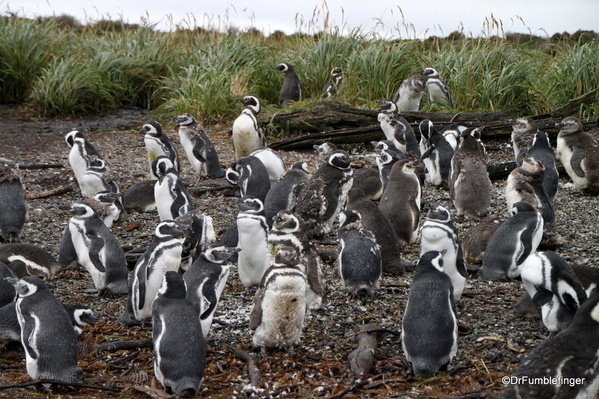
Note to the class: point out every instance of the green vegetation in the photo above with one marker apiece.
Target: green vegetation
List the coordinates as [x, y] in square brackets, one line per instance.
[59, 67]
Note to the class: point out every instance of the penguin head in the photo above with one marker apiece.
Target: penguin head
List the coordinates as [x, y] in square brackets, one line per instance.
[429, 72]
[220, 253]
[184, 119]
[541, 140]
[81, 315]
[284, 67]
[336, 71]
[468, 141]
[532, 166]
[417, 83]
[250, 205]
[162, 165]
[325, 148]
[151, 128]
[570, 125]
[96, 164]
[251, 102]
[27, 285]
[71, 136]
[170, 228]
[523, 125]
[287, 256]
[438, 213]
[285, 221]
[340, 159]
[347, 217]
[173, 286]
[587, 316]
[300, 165]
[387, 106]
[522, 206]
[426, 128]
[433, 258]
[81, 210]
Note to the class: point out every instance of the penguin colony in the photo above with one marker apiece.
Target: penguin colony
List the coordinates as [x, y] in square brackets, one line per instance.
[182, 306]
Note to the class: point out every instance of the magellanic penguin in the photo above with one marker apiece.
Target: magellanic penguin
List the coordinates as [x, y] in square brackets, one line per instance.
[333, 86]
[252, 230]
[251, 176]
[569, 360]
[13, 206]
[409, 95]
[554, 288]
[438, 233]
[199, 234]
[172, 198]
[178, 341]
[400, 202]
[162, 255]
[429, 334]
[291, 89]
[197, 146]
[386, 155]
[469, 183]
[277, 315]
[29, 260]
[579, 154]
[512, 243]
[7, 290]
[397, 129]
[98, 250]
[323, 152]
[325, 194]
[359, 261]
[157, 143]
[139, 198]
[81, 150]
[476, 239]
[438, 91]
[436, 154]
[283, 193]
[452, 133]
[524, 131]
[47, 334]
[541, 149]
[273, 162]
[246, 133]
[206, 279]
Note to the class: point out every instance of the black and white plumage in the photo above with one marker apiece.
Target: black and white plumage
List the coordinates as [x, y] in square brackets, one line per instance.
[277, 315]
[98, 250]
[157, 143]
[81, 316]
[251, 176]
[452, 134]
[397, 129]
[273, 162]
[541, 149]
[409, 95]
[179, 344]
[13, 206]
[438, 233]
[570, 355]
[436, 154]
[253, 258]
[438, 91]
[81, 151]
[283, 193]
[94, 179]
[7, 290]
[386, 155]
[29, 260]
[359, 261]
[47, 335]
[323, 152]
[246, 133]
[291, 89]
[524, 131]
[206, 279]
[429, 335]
[512, 243]
[554, 288]
[325, 194]
[579, 154]
[172, 198]
[333, 86]
[199, 233]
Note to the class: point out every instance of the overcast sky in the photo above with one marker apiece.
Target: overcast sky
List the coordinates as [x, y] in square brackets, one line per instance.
[398, 18]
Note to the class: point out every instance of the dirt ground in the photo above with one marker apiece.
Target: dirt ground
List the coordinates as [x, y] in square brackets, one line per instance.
[492, 339]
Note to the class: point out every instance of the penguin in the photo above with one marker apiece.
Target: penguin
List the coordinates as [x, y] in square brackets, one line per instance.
[273, 162]
[253, 241]
[570, 358]
[438, 91]
[81, 150]
[429, 333]
[579, 154]
[554, 288]
[205, 280]
[409, 95]
[197, 146]
[452, 133]
[332, 87]
[7, 291]
[322, 198]
[369, 181]
[199, 233]
[359, 261]
[94, 178]
[13, 206]
[291, 89]
[541, 149]
[400, 202]
[157, 143]
[438, 233]
[524, 131]
[98, 250]
[476, 239]
[283, 193]
[251, 176]
[179, 344]
[469, 183]
[386, 155]
[80, 315]
[323, 152]
[246, 133]
[29, 260]
[397, 129]
[279, 308]
[162, 255]
[436, 154]
[512, 243]
[139, 198]
[47, 334]
[373, 219]
[594, 132]
[172, 198]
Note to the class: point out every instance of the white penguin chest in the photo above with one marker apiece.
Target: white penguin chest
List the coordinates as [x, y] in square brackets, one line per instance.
[245, 135]
[187, 143]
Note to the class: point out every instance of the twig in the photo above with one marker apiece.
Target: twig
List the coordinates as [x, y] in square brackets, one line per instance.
[125, 359]
[124, 345]
[152, 392]
[253, 371]
[358, 384]
[42, 166]
[48, 193]
[56, 382]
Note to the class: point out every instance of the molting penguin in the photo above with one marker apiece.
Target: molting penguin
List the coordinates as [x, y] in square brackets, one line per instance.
[172, 198]
[29, 260]
[291, 89]
[283, 194]
[13, 207]
[476, 239]
[429, 333]
[253, 241]
[386, 155]
[179, 344]
[139, 198]
[157, 143]
[409, 95]
[359, 260]
[438, 233]
[332, 87]
[436, 154]
[579, 154]
[438, 91]
[512, 243]
[273, 162]
[400, 202]
[199, 149]
[397, 129]
[323, 152]
[569, 357]
[541, 150]
[47, 334]
[246, 133]
[524, 131]
[251, 176]
[277, 316]
[199, 233]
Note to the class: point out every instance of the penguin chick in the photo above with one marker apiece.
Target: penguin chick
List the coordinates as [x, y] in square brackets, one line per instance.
[409, 95]
[397, 129]
[438, 91]
[333, 86]
[246, 133]
[369, 181]
[253, 241]
[523, 132]
[178, 341]
[291, 89]
[13, 206]
[157, 143]
[476, 239]
[29, 260]
[283, 193]
[277, 315]
[429, 335]
[172, 198]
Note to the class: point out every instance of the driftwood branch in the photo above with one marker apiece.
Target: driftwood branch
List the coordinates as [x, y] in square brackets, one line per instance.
[42, 166]
[124, 345]
[48, 193]
[68, 384]
[255, 385]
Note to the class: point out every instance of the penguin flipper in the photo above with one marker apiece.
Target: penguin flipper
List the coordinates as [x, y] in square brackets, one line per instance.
[96, 245]
[460, 263]
[28, 333]
[256, 313]
[209, 299]
[198, 149]
[576, 162]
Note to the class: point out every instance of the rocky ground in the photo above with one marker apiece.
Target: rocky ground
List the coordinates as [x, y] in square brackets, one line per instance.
[492, 339]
